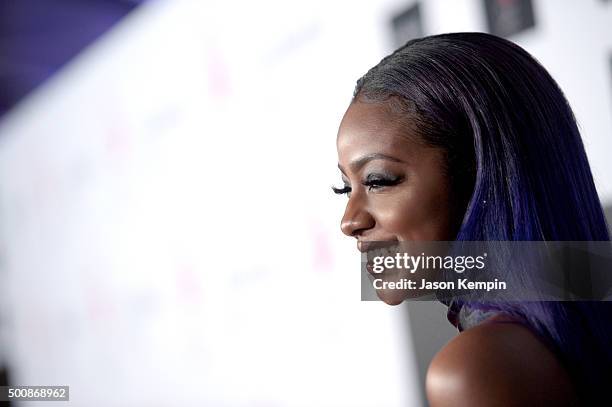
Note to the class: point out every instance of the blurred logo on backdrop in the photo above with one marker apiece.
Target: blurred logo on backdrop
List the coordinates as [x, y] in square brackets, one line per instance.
[407, 25]
[509, 17]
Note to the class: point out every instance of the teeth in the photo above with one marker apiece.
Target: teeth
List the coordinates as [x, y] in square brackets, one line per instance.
[381, 252]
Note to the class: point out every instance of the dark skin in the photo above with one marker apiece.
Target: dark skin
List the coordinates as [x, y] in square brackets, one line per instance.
[398, 190]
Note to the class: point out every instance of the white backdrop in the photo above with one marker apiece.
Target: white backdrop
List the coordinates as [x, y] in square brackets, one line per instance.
[169, 232]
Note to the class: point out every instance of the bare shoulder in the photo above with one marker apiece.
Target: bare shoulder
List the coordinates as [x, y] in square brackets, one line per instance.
[501, 364]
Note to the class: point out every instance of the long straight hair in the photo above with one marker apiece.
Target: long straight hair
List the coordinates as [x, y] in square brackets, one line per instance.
[517, 166]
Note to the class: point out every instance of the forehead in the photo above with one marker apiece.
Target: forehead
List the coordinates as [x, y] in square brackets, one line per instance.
[373, 127]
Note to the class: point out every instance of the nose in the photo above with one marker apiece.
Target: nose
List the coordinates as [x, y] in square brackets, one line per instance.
[356, 218]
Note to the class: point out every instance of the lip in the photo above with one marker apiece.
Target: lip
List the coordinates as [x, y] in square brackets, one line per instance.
[369, 248]
[362, 246]
[370, 268]
[365, 246]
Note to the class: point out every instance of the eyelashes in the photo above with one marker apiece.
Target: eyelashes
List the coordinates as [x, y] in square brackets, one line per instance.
[341, 191]
[372, 182]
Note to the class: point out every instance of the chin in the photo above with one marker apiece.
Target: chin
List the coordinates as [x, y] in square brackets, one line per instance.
[391, 297]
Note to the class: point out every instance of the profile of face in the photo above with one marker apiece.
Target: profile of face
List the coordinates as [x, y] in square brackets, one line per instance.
[396, 185]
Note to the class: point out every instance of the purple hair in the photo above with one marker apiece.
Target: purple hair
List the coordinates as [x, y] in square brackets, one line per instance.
[517, 165]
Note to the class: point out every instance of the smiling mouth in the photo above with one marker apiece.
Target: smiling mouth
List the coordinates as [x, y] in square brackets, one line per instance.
[373, 249]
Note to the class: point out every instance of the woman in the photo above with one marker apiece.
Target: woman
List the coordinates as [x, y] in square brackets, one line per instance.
[466, 137]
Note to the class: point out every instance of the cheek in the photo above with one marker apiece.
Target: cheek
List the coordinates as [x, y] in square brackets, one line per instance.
[414, 213]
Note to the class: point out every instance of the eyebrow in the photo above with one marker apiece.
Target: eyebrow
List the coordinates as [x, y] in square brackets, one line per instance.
[361, 161]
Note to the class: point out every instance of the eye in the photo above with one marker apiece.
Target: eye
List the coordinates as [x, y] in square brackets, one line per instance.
[372, 182]
[342, 191]
[377, 181]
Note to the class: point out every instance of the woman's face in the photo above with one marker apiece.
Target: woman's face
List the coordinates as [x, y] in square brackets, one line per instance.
[396, 186]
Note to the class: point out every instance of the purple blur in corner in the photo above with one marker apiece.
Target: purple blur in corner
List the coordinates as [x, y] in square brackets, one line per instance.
[37, 37]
